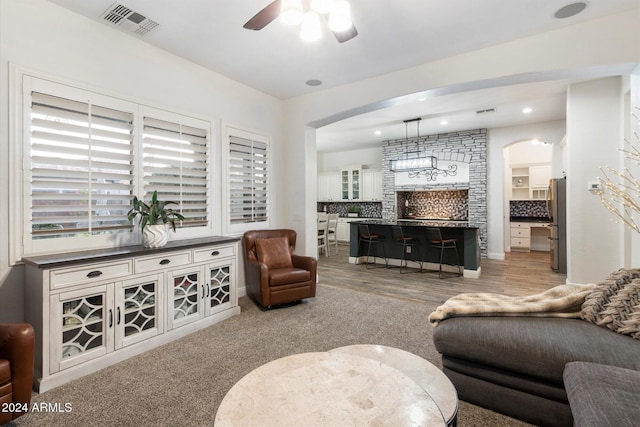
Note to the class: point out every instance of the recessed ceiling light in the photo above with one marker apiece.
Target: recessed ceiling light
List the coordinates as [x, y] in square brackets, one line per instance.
[527, 110]
[378, 132]
[444, 122]
[314, 82]
[535, 142]
[570, 10]
[424, 98]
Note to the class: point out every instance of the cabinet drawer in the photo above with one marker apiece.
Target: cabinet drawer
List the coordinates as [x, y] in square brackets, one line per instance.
[520, 232]
[520, 243]
[213, 252]
[520, 225]
[154, 263]
[64, 277]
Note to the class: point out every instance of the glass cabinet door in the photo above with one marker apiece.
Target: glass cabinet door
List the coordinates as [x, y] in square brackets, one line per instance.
[344, 185]
[185, 302]
[355, 184]
[220, 288]
[138, 314]
[80, 326]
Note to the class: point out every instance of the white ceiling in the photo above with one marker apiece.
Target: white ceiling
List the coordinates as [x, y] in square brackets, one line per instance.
[392, 35]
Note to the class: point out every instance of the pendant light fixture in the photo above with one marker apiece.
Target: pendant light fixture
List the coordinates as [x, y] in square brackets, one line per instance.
[322, 6]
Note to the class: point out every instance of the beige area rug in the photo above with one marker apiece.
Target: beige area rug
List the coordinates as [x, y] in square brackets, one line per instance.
[183, 383]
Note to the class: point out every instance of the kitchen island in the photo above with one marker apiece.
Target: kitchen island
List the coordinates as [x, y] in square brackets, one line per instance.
[467, 240]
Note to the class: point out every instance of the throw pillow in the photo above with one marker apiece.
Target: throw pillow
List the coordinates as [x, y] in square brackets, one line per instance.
[274, 252]
[615, 303]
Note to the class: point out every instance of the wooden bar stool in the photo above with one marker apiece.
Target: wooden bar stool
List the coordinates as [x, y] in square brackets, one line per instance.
[434, 237]
[405, 241]
[371, 239]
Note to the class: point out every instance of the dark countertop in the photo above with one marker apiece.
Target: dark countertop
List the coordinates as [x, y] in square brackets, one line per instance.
[71, 258]
[528, 219]
[420, 223]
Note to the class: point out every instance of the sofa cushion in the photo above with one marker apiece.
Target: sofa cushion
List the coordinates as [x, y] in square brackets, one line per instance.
[601, 395]
[274, 252]
[287, 276]
[615, 303]
[535, 347]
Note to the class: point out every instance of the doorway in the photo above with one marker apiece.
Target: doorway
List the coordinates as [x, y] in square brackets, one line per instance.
[528, 169]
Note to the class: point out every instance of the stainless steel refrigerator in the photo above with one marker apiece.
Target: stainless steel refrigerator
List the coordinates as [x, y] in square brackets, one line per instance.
[557, 206]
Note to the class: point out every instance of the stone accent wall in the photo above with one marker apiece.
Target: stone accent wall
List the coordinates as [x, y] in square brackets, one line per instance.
[470, 143]
[367, 209]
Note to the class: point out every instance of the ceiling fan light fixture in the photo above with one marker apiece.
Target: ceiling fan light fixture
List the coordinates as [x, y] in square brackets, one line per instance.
[340, 16]
[291, 12]
[310, 30]
[322, 6]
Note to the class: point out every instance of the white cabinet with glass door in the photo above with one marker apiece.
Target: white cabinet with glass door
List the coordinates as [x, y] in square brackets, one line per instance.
[88, 315]
[350, 183]
[90, 322]
[539, 177]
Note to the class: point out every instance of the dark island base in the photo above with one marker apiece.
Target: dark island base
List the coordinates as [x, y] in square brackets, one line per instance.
[467, 240]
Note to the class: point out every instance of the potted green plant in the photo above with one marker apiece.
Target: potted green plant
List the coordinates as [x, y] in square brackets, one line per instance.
[154, 219]
[353, 211]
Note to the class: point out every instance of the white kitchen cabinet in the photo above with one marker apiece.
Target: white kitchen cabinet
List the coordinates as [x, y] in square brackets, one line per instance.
[520, 236]
[91, 310]
[530, 182]
[372, 185]
[351, 183]
[342, 232]
[539, 177]
[329, 187]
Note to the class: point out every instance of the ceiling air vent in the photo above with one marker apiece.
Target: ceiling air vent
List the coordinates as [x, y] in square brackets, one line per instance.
[125, 19]
[486, 110]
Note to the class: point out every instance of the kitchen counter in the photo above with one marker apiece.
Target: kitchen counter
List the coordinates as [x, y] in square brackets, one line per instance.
[529, 219]
[467, 238]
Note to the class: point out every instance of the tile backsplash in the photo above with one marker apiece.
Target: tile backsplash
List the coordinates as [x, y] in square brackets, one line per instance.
[449, 204]
[528, 208]
[367, 209]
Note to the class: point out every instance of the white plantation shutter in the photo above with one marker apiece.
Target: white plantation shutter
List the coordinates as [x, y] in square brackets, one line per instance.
[248, 179]
[81, 168]
[176, 165]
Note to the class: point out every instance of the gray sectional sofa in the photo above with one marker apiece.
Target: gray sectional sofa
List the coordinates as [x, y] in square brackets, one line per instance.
[524, 366]
[515, 365]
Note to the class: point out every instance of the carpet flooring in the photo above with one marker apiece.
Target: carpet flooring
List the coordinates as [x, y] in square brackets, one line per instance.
[183, 382]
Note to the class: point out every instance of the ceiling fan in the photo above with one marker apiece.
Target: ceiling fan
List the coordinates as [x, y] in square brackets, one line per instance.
[307, 13]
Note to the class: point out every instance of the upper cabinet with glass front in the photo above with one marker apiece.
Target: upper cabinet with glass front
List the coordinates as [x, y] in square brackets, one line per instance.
[351, 183]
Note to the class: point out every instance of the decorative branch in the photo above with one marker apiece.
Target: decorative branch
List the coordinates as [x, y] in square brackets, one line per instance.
[620, 191]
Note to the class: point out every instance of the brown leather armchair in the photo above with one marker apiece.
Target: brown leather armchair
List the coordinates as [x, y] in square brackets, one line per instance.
[17, 341]
[274, 274]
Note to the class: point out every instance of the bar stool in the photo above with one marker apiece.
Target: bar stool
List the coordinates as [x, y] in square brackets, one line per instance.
[332, 230]
[371, 239]
[434, 236]
[405, 241]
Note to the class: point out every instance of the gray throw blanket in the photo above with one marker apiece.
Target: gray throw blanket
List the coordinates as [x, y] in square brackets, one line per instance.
[560, 301]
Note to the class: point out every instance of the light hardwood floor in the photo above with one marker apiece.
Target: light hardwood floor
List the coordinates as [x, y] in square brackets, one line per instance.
[519, 274]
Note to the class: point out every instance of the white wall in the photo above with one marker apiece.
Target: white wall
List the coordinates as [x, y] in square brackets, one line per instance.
[333, 161]
[595, 131]
[576, 50]
[44, 37]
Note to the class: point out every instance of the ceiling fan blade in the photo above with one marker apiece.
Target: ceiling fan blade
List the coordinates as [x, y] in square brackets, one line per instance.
[264, 17]
[345, 36]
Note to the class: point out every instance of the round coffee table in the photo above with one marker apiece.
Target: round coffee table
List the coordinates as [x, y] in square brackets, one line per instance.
[339, 387]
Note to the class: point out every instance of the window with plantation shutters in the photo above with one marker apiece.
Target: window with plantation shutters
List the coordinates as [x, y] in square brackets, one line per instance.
[176, 165]
[83, 157]
[248, 178]
[81, 178]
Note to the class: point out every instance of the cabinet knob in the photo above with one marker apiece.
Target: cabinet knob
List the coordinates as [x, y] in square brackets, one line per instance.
[95, 273]
[165, 261]
[214, 253]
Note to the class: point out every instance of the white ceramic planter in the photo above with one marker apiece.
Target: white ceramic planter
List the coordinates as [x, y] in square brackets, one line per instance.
[155, 236]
